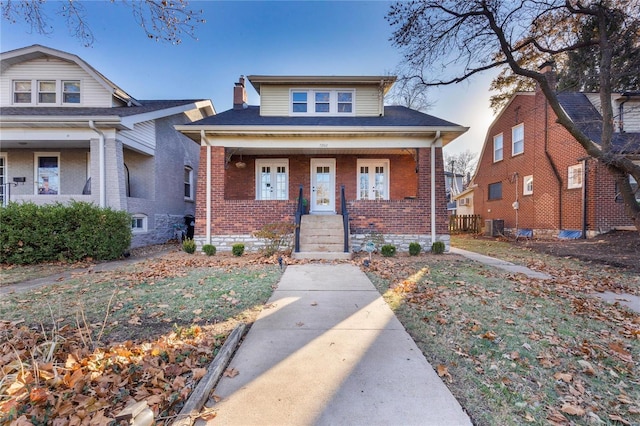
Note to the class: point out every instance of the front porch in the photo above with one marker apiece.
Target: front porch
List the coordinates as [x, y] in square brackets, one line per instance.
[390, 193]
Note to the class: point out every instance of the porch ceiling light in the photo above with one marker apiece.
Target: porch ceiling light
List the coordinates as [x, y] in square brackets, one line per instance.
[241, 164]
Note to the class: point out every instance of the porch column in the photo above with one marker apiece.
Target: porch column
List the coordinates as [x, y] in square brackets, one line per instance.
[94, 158]
[115, 175]
[218, 212]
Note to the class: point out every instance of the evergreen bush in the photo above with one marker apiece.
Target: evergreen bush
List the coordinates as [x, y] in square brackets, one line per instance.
[388, 250]
[414, 249]
[209, 249]
[237, 249]
[437, 247]
[73, 232]
[189, 246]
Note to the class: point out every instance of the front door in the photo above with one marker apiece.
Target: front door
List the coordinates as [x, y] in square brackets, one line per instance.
[323, 185]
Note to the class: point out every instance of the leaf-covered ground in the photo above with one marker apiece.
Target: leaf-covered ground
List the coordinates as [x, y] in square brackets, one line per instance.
[515, 350]
[79, 351]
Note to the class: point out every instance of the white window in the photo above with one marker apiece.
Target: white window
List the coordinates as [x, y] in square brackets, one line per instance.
[497, 148]
[22, 92]
[272, 179]
[71, 92]
[188, 183]
[574, 176]
[517, 140]
[527, 185]
[139, 223]
[322, 102]
[373, 179]
[47, 173]
[47, 92]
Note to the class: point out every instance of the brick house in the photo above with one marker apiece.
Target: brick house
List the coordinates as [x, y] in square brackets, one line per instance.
[314, 135]
[533, 175]
[68, 133]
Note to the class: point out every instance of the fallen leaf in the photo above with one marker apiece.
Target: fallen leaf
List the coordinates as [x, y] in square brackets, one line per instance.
[231, 372]
[587, 367]
[443, 372]
[619, 419]
[565, 377]
[573, 410]
[198, 373]
[197, 311]
[489, 335]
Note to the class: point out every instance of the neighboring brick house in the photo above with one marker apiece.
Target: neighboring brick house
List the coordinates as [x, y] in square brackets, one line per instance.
[534, 175]
[68, 133]
[320, 133]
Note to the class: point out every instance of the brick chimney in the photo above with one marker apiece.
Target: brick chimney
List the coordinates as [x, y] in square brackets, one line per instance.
[548, 68]
[239, 94]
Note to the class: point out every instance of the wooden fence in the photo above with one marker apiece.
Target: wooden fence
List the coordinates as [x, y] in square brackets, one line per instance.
[469, 224]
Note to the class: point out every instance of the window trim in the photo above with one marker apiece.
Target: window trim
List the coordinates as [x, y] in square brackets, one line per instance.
[36, 177]
[145, 223]
[41, 92]
[525, 185]
[64, 92]
[273, 163]
[34, 92]
[189, 183]
[14, 92]
[499, 136]
[311, 102]
[571, 173]
[373, 162]
[513, 140]
[489, 191]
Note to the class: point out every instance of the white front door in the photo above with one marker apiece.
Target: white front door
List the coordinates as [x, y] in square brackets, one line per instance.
[323, 185]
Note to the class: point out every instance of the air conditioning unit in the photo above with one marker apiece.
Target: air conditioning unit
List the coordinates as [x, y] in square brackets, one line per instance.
[493, 228]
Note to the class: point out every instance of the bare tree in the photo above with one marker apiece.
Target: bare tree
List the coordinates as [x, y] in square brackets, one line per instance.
[161, 20]
[462, 163]
[472, 36]
[410, 93]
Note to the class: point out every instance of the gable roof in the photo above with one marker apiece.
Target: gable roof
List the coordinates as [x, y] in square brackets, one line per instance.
[588, 119]
[37, 51]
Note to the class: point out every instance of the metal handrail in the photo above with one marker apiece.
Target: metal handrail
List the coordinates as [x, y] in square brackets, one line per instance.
[345, 219]
[299, 212]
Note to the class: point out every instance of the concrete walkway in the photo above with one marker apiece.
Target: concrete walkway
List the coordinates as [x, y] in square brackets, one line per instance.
[502, 264]
[328, 350]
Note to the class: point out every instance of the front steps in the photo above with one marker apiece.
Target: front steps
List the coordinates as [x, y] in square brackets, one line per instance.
[321, 238]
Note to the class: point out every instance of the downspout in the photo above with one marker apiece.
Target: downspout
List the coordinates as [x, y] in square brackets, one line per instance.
[101, 165]
[208, 189]
[584, 198]
[556, 173]
[433, 187]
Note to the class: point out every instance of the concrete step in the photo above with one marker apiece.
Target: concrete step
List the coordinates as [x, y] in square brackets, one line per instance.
[327, 247]
[322, 255]
[321, 239]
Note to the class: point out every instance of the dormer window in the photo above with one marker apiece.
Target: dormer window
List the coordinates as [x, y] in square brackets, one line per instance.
[322, 102]
[47, 92]
[71, 92]
[22, 92]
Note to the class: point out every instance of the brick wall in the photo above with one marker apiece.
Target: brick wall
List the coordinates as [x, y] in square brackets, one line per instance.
[548, 148]
[235, 210]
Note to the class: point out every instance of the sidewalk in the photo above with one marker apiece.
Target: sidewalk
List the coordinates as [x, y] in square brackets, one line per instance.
[502, 264]
[328, 350]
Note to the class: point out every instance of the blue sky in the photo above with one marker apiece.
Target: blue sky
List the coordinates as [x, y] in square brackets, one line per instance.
[253, 37]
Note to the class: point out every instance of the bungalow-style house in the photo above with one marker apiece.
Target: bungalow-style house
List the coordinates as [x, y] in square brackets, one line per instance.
[537, 179]
[68, 133]
[364, 169]
[453, 183]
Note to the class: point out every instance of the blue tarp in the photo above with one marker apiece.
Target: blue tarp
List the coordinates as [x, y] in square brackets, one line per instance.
[568, 234]
[524, 233]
